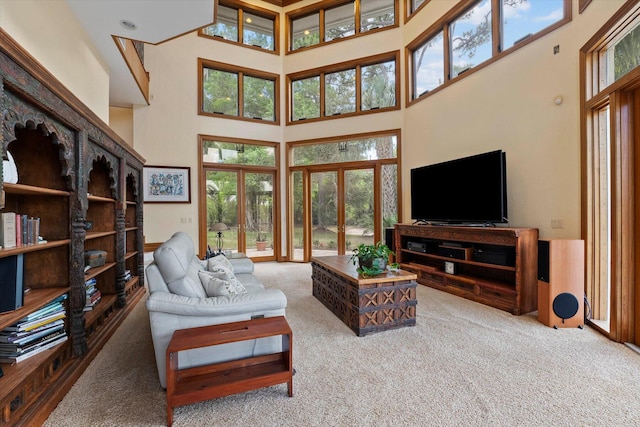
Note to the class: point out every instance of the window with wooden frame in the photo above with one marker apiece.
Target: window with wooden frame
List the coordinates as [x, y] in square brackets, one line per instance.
[412, 7]
[245, 25]
[234, 92]
[335, 20]
[356, 87]
[610, 86]
[474, 34]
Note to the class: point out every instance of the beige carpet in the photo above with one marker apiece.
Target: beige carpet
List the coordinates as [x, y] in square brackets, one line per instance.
[463, 364]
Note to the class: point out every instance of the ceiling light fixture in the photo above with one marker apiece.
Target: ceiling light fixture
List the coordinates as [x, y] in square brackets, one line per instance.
[128, 25]
[248, 20]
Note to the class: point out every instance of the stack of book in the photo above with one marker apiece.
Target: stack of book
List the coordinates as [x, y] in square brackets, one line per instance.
[19, 230]
[38, 331]
[127, 275]
[93, 294]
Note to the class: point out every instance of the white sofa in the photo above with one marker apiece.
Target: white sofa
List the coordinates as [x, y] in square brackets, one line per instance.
[175, 267]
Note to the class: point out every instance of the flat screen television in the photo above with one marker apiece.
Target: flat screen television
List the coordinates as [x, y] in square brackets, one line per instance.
[469, 190]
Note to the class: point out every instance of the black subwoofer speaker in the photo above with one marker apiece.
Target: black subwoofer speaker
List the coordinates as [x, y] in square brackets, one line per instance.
[561, 283]
[389, 238]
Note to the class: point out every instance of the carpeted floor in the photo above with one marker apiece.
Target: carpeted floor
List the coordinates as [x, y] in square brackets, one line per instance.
[464, 364]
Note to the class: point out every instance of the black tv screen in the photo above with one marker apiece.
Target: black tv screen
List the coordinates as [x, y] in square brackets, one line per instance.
[466, 190]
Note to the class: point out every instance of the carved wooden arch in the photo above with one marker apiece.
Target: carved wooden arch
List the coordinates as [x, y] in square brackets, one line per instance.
[134, 174]
[20, 115]
[96, 154]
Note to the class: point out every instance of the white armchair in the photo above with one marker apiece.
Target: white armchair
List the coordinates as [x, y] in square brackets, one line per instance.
[178, 300]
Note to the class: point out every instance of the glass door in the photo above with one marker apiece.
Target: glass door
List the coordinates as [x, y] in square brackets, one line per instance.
[222, 210]
[240, 212]
[259, 214]
[359, 208]
[324, 213]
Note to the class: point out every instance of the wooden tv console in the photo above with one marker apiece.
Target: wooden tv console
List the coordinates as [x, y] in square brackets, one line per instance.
[495, 266]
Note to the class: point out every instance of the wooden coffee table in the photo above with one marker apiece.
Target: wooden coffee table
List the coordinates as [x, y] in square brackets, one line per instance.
[200, 383]
[366, 305]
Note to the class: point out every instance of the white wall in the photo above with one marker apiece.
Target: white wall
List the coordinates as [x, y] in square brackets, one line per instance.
[121, 121]
[507, 105]
[50, 32]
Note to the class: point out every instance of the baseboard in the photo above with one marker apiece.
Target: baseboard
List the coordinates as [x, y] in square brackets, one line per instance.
[150, 247]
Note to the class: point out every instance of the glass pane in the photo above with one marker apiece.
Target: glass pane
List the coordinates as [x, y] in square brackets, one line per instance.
[259, 98]
[471, 38]
[222, 207]
[306, 98]
[258, 31]
[339, 22]
[383, 147]
[220, 92]
[324, 214]
[227, 25]
[621, 57]
[389, 196]
[522, 19]
[601, 307]
[340, 92]
[415, 4]
[259, 214]
[358, 208]
[428, 66]
[297, 204]
[376, 14]
[305, 31]
[238, 153]
[378, 85]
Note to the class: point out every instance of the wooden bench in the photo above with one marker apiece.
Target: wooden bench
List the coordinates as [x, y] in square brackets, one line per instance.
[190, 385]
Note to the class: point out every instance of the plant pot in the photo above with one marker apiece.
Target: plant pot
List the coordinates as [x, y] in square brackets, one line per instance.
[261, 246]
[379, 263]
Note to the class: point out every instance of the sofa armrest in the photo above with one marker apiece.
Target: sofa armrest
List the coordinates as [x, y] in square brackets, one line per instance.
[269, 299]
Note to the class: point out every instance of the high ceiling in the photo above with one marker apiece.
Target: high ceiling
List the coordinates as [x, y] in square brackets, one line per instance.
[155, 21]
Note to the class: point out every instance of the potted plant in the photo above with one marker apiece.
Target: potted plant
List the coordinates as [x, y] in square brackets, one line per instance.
[261, 241]
[371, 259]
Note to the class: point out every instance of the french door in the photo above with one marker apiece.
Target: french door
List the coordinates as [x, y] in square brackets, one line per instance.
[243, 200]
[341, 214]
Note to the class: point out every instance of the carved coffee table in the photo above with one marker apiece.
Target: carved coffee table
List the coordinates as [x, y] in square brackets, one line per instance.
[366, 305]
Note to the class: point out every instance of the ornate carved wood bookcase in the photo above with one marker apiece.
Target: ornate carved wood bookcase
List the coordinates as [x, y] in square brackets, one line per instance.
[85, 185]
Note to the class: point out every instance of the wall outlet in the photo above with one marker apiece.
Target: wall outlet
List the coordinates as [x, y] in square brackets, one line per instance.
[557, 223]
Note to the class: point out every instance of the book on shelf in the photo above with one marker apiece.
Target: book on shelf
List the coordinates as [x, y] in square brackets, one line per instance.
[53, 311]
[23, 337]
[18, 230]
[14, 349]
[12, 282]
[34, 351]
[8, 229]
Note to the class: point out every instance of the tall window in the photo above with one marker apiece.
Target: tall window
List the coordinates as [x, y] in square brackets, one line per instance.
[475, 33]
[355, 87]
[315, 25]
[236, 92]
[610, 180]
[245, 25]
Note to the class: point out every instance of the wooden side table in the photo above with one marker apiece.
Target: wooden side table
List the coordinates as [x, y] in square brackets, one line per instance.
[190, 385]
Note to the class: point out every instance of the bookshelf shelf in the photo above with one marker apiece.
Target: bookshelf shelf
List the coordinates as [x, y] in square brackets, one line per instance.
[32, 190]
[98, 234]
[96, 271]
[98, 199]
[32, 248]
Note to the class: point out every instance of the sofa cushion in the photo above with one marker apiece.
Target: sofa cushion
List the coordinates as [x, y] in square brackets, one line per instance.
[174, 256]
[228, 274]
[219, 260]
[215, 284]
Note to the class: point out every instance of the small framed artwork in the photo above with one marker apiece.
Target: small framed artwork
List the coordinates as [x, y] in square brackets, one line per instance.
[167, 184]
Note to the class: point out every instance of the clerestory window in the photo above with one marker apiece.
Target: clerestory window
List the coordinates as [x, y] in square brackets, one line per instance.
[355, 87]
[474, 34]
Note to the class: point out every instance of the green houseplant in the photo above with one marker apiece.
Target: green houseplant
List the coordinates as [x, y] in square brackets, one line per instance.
[371, 259]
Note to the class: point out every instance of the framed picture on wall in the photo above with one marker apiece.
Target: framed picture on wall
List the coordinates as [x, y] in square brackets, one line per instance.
[167, 184]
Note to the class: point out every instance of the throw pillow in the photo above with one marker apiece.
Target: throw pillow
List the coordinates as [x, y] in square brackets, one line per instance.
[219, 260]
[220, 283]
[214, 286]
